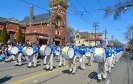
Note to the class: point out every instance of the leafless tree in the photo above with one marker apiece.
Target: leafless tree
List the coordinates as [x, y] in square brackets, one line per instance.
[129, 34]
[70, 33]
[120, 7]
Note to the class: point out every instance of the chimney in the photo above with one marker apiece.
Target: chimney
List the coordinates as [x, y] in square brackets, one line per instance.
[31, 13]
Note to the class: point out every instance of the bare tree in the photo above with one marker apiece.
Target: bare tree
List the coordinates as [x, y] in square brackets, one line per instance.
[120, 7]
[129, 34]
[70, 33]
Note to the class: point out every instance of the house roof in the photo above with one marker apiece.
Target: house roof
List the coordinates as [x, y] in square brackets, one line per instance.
[87, 35]
[83, 34]
[2, 19]
[37, 18]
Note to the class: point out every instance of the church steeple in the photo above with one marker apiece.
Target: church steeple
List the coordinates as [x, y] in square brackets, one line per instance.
[62, 3]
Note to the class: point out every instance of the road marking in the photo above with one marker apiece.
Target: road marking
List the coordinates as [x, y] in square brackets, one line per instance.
[42, 74]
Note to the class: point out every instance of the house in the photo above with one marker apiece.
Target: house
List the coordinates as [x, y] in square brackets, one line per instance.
[87, 38]
[12, 26]
[38, 28]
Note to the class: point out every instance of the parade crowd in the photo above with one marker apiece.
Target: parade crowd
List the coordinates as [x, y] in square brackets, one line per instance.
[104, 55]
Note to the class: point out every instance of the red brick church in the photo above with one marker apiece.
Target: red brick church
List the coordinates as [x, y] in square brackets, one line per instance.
[36, 27]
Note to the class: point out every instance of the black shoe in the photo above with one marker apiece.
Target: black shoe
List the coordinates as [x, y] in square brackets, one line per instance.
[19, 65]
[59, 66]
[47, 69]
[98, 80]
[103, 79]
[29, 66]
[51, 70]
[73, 73]
[44, 64]
[69, 72]
[34, 66]
[16, 64]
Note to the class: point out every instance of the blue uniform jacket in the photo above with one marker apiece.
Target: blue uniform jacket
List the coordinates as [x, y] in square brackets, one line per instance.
[20, 48]
[108, 52]
[113, 51]
[82, 51]
[88, 49]
[35, 49]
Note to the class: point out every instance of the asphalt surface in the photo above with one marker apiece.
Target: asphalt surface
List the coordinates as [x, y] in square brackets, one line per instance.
[10, 74]
[122, 73]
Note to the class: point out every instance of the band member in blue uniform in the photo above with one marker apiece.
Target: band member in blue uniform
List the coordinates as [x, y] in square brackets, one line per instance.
[90, 49]
[49, 59]
[109, 57]
[113, 55]
[19, 55]
[102, 65]
[33, 58]
[61, 57]
[82, 52]
[73, 60]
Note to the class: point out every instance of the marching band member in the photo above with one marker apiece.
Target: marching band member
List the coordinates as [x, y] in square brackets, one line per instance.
[91, 50]
[109, 57]
[102, 65]
[117, 53]
[19, 55]
[61, 57]
[49, 59]
[73, 60]
[82, 51]
[33, 58]
[113, 55]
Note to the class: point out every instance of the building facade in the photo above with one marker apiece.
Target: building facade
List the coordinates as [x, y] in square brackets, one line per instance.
[87, 38]
[38, 26]
[12, 26]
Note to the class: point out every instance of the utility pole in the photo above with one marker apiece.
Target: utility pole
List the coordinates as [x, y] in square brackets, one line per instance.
[95, 25]
[50, 22]
[105, 32]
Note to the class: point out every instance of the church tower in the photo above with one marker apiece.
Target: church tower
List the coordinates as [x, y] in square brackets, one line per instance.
[59, 20]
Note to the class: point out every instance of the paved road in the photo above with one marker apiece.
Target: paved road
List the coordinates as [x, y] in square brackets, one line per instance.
[10, 74]
[122, 73]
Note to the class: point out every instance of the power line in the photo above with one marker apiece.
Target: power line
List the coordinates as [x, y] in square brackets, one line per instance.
[34, 5]
[10, 13]
[102, 9]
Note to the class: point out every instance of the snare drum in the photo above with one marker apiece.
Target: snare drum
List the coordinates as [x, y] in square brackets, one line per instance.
[13, 50]
[45, 50]
[42, 48]
[68, 53]
[29, 51]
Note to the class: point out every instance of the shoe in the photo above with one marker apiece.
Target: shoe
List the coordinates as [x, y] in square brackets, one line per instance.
[59, 66]
[44, 64]
[98, 80]
[29, 66]
[73, 73]
[70, 72]
[51, 69]
[20, 65]
[103, 79]
[47, 69]
[16, 64]
[34, 66]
